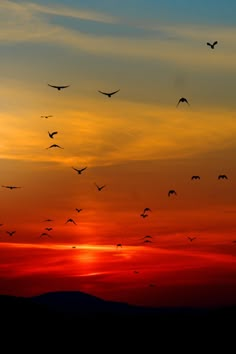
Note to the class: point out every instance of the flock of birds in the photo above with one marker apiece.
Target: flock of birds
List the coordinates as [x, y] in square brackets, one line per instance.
[144, 214]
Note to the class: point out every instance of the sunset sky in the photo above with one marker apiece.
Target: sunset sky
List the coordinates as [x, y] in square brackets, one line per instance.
[137, 143]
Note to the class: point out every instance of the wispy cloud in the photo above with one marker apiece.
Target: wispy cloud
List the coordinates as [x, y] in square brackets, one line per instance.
[27, 22]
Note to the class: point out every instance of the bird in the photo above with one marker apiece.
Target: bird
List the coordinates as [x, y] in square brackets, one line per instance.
[48, 220]
[195, 177]
[51, 135]
[212, 45]
[182, 99]
[45, 234]
[79, 170]
[136, 272]
[46, 117]
[191, 239]
[109, 94]
[118, 245]
[99, 188]
[58, 87]
[70, 220]
[54, 145]
[73, 246]
[79, 210]
[144, 215]
[147, 241]
[10, 233]
[147, 236]
[11, 187]
[171, 191]
[48, 228]
[222, 177]
[146, 209]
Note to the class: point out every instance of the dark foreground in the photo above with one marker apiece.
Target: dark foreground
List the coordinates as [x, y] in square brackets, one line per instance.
[80, 319]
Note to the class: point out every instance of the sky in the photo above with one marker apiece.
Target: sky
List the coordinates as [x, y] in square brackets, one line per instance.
[138, 143]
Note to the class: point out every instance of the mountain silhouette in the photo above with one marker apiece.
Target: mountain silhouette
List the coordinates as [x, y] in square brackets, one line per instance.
[71, 314]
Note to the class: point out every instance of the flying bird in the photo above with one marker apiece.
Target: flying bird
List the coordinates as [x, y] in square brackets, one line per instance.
[212, 45]
[171, 191]
[70, 220]
[144, 215]
[51, 135]
[222, 177]
[79, 210]
[48, 220]
[147, 241]
[79, 170]
[118, 245]
[58, 87]
[10, 233]
[48, 228]
[146, 209]
[182, 99]
[147, 236]
[10, 187]
[195, 177]
[109, 94]
[45, 234]
[100, 188]
[191, 239]
[46, 117]
[54, 145]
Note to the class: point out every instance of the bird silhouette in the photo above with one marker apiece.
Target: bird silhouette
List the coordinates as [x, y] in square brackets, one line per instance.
[45, 234]
[144, 215]
[11, 187]
[48, 228]
[78, 210]
[118, 245]
[99, 187]
[73, 246]
[171, 191]
[70, 220]
[79, 170]
[182, 99]
[46, 117]
[147, 241]
[195, 177]
[54, 145]
[222, 177]
[109, 94]
[136, 272]
[51, 135]
[48, 220]
[147, 236]
[11, 233]
[212, 45]
[146, 209]
[58, 87]
[191, 239]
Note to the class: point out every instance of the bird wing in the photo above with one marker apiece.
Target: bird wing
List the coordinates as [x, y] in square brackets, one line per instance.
[104, 93]
[53, 133]
[209, 44]
[215, 43]
[58, 86]
[112, 93]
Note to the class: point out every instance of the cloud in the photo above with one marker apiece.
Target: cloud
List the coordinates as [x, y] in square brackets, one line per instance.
[28, 22]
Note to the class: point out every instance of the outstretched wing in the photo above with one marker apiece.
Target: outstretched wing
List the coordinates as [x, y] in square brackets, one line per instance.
[58, 87]
[209, 44]
[215, 43]
[104, 93]
[112, 93]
